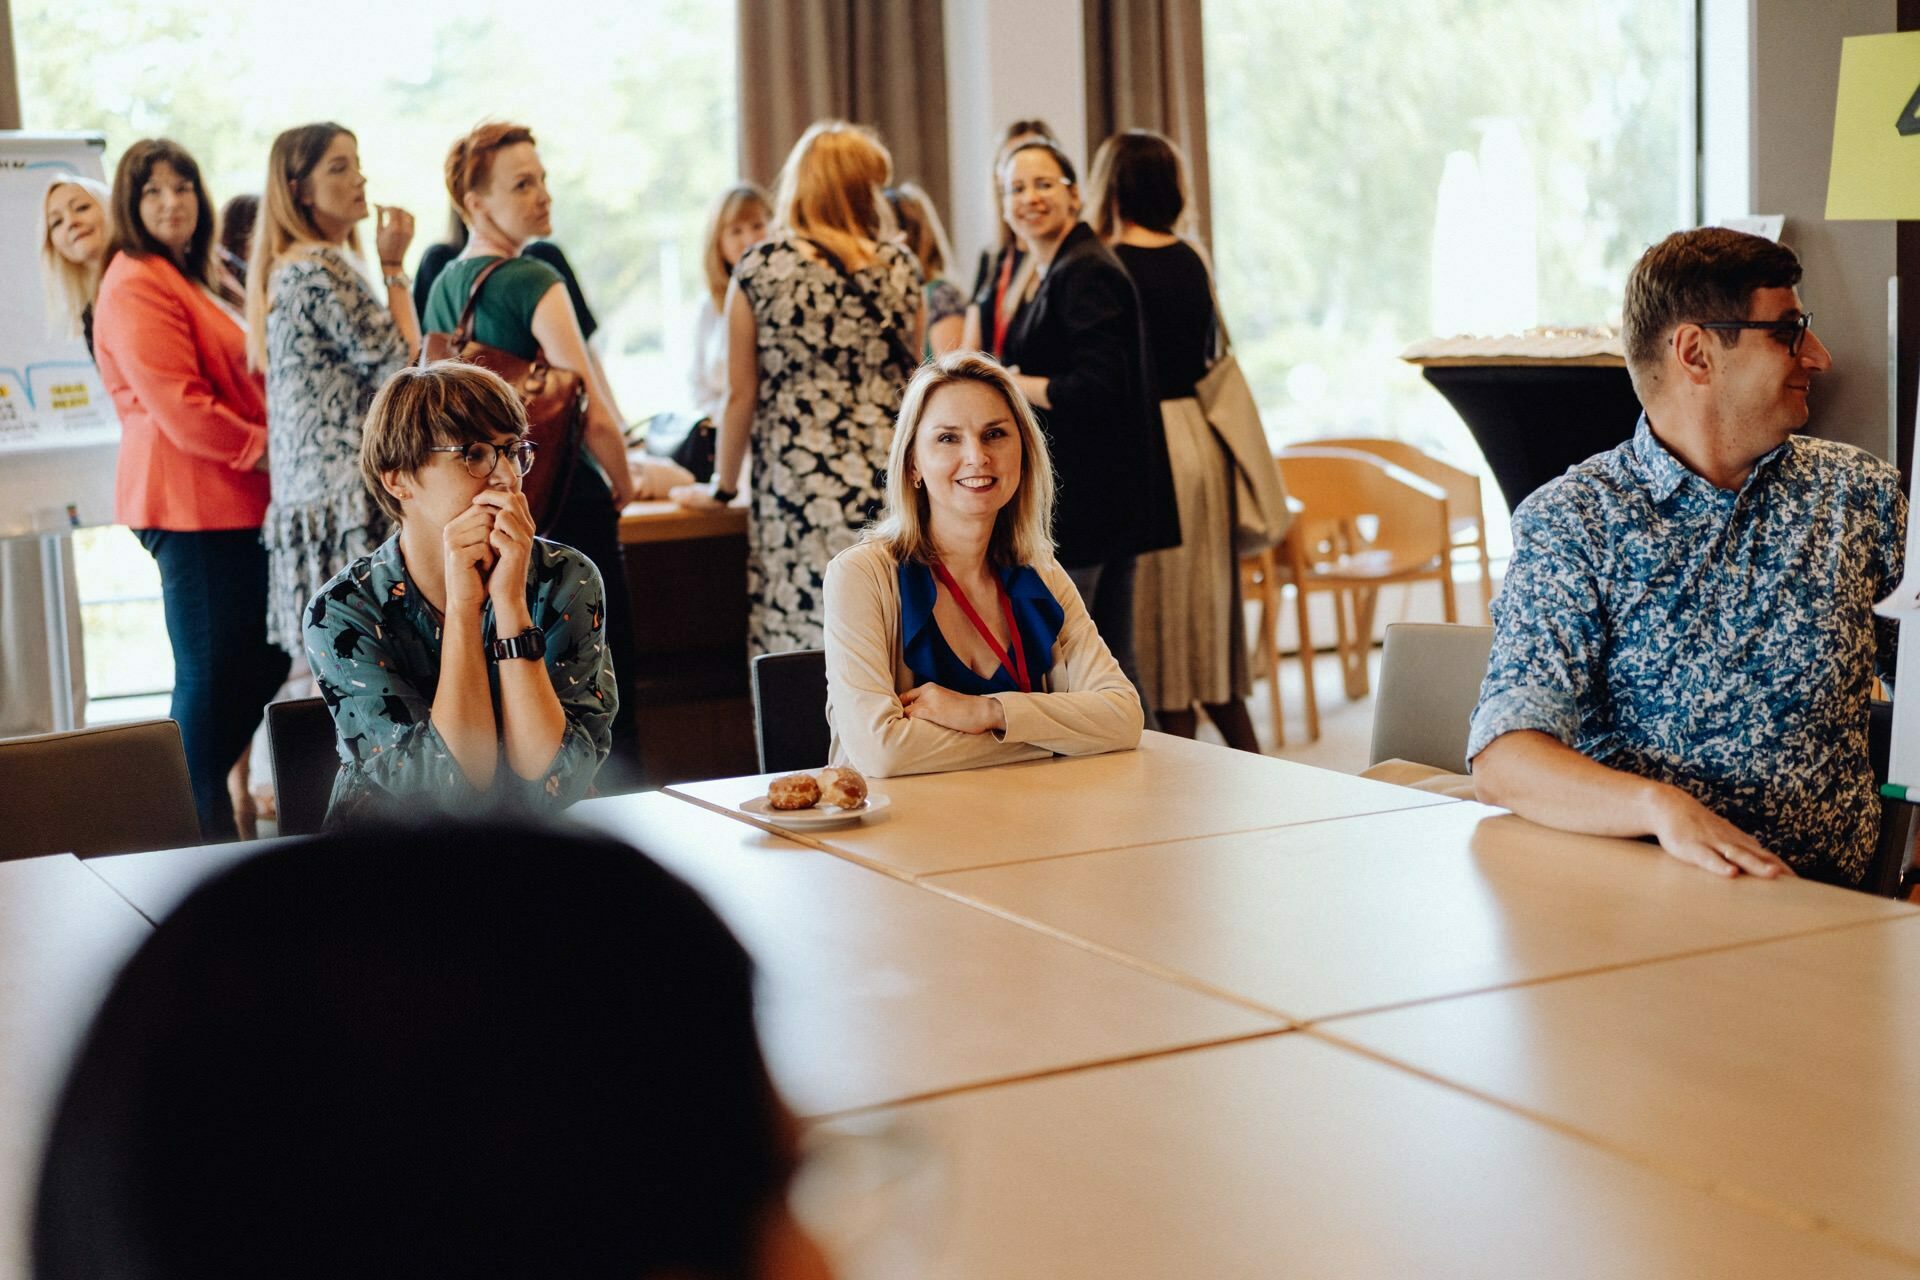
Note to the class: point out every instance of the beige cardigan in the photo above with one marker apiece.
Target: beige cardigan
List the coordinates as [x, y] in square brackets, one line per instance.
[1089, 707]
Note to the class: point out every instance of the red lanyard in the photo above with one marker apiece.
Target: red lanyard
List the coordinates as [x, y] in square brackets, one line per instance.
[999, 315]
[1018, 663]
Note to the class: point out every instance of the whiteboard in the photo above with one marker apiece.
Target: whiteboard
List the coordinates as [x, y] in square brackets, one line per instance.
[59, 438]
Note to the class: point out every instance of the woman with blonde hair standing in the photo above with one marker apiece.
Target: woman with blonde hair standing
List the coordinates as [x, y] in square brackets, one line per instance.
[326, 343]
[739, 221]
[75, 230]
[824, 329]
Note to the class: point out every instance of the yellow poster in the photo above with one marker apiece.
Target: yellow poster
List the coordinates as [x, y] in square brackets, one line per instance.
[1876, 129]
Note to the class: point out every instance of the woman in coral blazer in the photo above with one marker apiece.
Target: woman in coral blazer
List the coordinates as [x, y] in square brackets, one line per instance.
[193, 459]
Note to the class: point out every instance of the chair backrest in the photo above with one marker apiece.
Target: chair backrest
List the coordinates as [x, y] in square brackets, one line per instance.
[120, 788]
[1462, 487]
[305, 762]
[1339, 487]
[790, 710]
[1430, 678]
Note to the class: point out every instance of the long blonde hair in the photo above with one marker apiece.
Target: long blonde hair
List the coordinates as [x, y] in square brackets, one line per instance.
[284, 227]
[727, 210]
[830, 190]
[1023, 531]
[71, 289]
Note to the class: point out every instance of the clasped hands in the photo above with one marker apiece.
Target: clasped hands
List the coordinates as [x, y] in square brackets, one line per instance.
[488, 548]
[961, 712]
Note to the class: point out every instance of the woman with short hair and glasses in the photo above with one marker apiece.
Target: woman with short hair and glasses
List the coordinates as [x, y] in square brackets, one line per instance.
[465, 660]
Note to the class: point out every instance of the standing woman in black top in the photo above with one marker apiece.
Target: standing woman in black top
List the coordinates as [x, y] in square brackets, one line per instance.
[1187, 610]
[1077, 350]
[1002, 274]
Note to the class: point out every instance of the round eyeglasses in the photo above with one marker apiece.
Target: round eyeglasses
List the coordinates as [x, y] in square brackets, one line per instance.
[480, 459]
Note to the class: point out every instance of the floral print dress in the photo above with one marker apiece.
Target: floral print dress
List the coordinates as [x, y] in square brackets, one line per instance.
[831, 379]
[330, 345]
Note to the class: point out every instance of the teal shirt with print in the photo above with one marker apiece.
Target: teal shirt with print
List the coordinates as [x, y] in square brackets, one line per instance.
[374, 645]
[504, 316]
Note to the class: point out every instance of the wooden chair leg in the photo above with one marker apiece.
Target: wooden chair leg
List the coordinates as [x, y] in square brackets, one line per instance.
[1359, 646]
[1447, 603]
[1268, 653]
[1311, 699]
[1486, 578]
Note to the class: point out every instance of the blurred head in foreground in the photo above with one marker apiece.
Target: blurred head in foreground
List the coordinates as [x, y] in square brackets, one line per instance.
[508, 1051]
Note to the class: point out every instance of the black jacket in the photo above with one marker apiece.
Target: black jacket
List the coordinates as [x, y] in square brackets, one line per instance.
[1082, 331]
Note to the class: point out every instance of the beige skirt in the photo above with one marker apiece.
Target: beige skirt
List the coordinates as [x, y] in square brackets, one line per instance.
[1189, 637]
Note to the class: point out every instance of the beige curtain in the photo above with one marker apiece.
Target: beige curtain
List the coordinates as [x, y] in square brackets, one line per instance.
[1145, 70]
[9, 72]
[874, 62]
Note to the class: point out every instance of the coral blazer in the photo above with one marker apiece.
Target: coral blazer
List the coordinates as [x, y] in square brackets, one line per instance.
[193, 421]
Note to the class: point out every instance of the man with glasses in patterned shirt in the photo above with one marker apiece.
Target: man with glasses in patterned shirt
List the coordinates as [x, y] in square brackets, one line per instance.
[1684, 643]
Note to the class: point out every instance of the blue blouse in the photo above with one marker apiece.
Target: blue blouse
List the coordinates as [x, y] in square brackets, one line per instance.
[932, 660]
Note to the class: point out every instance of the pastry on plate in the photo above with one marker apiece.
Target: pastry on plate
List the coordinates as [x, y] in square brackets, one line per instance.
[793, 791]
[843, 787]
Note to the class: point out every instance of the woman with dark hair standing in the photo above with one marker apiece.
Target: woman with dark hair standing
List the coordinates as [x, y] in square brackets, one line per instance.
[446, 1051]
[1003, 275]
[326, 343]
[1077, 351]
[1190, 637]
[193, 459]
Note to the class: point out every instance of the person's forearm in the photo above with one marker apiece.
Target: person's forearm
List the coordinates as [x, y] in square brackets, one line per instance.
[609, 448]
[730, 446]
[1544, 780]
[532, 721]
[405, 319]
[462, 704]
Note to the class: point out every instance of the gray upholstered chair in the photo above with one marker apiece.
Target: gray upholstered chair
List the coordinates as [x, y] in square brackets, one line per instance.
[116, 789]
[1430, 678]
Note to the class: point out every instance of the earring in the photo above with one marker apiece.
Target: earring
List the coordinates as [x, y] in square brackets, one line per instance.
[919, 482]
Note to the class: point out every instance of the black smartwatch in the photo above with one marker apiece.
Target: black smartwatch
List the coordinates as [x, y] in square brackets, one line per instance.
[531, 643]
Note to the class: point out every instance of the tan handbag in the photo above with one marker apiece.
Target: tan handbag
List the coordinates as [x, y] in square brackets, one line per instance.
[555, 401]
[1260, 515]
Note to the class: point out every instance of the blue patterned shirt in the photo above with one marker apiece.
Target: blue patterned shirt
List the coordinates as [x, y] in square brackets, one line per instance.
[374, 644]
[1720, 641]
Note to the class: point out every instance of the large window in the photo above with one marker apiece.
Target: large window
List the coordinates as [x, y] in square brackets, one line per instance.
[632, 100]
[1405, 169]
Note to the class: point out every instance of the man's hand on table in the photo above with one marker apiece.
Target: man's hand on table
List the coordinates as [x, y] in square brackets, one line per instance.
[1691, 832]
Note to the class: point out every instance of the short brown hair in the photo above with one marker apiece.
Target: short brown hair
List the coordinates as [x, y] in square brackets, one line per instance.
[1706, 274]
[1138, 177]
[470, 162]
[449, 402]
[130, 235]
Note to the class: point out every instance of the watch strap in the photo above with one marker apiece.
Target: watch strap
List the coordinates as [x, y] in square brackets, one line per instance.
[531, 643]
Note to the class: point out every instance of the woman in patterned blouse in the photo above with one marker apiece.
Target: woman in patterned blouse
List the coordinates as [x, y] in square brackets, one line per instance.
[326, 342]
[465, 660]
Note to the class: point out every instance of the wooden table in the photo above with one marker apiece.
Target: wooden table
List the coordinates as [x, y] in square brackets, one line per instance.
[875, 991]
[63, 935]
[1169, 789]
[1183, 1011]
[1329, 918]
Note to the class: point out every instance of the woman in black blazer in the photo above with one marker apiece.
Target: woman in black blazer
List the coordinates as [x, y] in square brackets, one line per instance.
[1078, 351]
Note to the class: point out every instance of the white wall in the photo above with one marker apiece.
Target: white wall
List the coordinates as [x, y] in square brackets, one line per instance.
[1796, 76]
[1006, 60]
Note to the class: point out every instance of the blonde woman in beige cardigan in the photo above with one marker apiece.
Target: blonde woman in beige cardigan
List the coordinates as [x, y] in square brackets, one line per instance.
[954, 639]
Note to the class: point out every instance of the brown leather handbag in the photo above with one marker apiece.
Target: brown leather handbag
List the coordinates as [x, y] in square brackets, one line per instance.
[555, 401]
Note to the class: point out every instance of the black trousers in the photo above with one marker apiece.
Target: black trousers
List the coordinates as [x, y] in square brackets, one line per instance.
[213, 586]
[589, 523]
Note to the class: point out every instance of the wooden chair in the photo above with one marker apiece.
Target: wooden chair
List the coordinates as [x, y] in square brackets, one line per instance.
[1466, 511]
[1262, 577]
[120, 788]
[305, 762]
[790, 730]
[1365, 523]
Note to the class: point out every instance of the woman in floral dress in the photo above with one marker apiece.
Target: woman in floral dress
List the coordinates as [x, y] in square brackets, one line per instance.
[824, 330]
[327, 343]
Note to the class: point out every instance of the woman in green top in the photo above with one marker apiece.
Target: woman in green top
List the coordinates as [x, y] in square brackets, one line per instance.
[495, 179]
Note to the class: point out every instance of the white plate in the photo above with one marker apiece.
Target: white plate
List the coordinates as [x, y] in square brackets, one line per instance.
[823, 815]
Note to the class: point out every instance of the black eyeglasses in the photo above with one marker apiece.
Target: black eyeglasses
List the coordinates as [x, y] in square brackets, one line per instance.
[481, 459]
[1791, 331]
